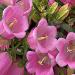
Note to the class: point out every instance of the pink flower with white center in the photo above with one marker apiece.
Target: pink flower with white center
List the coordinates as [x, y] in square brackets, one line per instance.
[40, 63]
[42, 38]
[8, 2]
[66, 47]
[5, 62]
[13, 23]
[25, 5]
[71, 2]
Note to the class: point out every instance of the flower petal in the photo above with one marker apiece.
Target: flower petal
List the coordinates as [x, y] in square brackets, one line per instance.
[45, 72]
[60, 61]
[5, 62]
[20, 35]
[70, 36]
[71, 65]
[60, 44]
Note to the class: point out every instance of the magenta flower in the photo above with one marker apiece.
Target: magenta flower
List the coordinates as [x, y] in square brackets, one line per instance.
[71, 2]
[5, 62]
[13, 25]
[66, 49]
[40, 63]
[42, 38]
[8, 2]
[26, 6]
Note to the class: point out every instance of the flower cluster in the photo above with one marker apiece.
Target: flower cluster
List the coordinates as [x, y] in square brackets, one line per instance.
[42, 39]
[37, 37]
[14, 23]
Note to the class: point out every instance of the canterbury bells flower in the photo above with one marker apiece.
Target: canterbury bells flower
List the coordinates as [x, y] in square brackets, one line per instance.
[40, 63]
[43, 37]
[66, 47]
[13, 23]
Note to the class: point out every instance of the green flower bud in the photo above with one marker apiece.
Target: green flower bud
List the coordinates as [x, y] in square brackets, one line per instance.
[63, 12]
[52, 8]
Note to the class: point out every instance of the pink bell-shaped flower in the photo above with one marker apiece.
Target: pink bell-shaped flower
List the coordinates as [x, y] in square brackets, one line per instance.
[13, 23]
[43, 37]
[66, 48]
[40, 63]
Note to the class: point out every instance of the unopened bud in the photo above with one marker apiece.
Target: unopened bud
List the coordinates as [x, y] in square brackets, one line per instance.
[63, 12]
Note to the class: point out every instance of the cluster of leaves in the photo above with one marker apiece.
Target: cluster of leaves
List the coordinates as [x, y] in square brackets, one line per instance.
[51, 12]
[18, 48]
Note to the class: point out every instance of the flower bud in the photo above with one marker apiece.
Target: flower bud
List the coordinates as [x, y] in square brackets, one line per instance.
[53, 8]
[63, 12]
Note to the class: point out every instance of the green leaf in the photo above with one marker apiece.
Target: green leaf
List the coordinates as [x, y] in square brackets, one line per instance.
[39, 8]
[36, 2]
[72, 10]
[67, 27]
[1, 10]
[35, 15]
[60, 34]
[59, 2]
[12, 52]
[21, 63]
[43, 5]
[61, 72]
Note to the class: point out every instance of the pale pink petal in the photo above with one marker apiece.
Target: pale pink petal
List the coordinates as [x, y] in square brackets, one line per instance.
[31, 55]
[60, 44]
[20, 35]
[71, 65]
[32, 39]
[42, 22]
[8, 2]
[60, 61]
[70, 36]
[31, 68]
